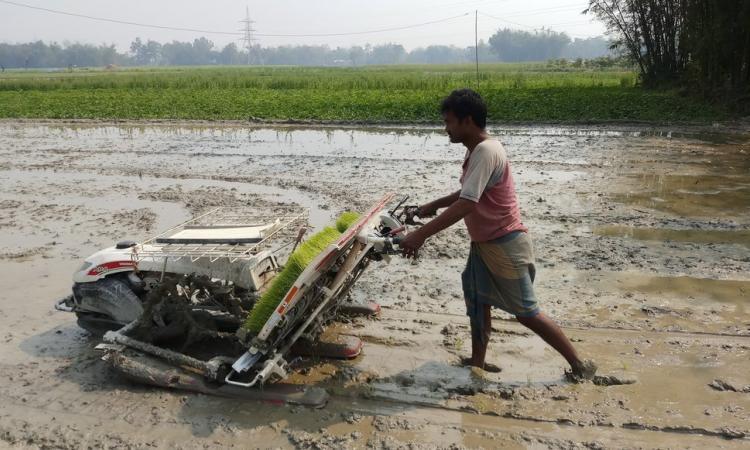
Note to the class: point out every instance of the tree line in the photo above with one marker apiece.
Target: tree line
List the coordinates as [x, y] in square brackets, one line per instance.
[700, 45]
[505, 45]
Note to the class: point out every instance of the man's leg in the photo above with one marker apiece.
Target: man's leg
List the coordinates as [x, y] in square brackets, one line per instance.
[548, 330]
[480, 338]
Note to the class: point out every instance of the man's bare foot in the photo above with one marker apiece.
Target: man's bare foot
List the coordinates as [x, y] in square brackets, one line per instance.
[583, 371]
[487, 367]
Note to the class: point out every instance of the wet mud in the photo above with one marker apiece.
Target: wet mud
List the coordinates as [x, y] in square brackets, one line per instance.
[641, 236]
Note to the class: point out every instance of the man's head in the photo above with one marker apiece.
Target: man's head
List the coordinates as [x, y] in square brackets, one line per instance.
[464, 114]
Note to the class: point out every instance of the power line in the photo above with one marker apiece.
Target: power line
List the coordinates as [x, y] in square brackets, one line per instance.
[464, 4]
[503, 20]
[122, 22]
[577, 22]
[543, 11]
[382, 30]
[528, 12]
[248, 34]
[195, 30]
[527, 26]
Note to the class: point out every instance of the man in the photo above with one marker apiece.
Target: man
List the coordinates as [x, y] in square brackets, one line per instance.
[500, 270]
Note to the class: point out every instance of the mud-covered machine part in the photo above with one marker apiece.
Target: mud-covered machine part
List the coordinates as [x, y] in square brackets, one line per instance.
[106, 304]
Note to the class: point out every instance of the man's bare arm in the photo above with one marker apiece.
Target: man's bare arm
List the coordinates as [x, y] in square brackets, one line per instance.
[429, 209]
[455, 212]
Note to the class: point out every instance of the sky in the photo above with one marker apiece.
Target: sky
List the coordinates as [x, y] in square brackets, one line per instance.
[19, 24]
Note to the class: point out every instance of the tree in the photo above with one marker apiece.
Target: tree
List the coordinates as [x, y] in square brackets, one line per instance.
[202, 52]
[701, 43]
[717, 37]
[230, 55]
[145, 54]
[588, 48]
[514, 45]
[387, 54]
[486, 54]
[177, 53]
[438, 54]
[138, 50]
[357, 55]
[153, 52]
[649, 31]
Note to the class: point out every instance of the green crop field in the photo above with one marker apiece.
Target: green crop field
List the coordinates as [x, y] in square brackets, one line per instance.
[514, 92]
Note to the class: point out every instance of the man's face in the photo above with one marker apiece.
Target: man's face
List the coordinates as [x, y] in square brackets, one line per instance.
[455, 128]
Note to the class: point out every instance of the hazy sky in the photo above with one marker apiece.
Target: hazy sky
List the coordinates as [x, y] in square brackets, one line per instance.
[19, 24]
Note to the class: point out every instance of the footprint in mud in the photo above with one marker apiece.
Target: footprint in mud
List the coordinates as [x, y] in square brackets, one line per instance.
[488, 367]
[611, 380]
[587, 372]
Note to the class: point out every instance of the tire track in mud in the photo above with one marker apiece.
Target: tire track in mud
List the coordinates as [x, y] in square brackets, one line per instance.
[568, 326]
[526, 420]
[633, 432]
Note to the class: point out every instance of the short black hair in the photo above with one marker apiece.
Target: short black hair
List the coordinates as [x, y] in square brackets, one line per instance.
[466, 103]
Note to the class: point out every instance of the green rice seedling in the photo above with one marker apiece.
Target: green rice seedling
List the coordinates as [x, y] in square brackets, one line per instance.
[295, 265]
[346, 220]
[284, 281]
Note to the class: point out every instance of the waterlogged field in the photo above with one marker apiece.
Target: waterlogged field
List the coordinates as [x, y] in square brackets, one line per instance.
[514, 92]
[641, 236]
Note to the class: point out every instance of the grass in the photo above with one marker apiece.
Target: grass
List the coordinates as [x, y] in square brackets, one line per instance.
[295, 265]
[514, 92]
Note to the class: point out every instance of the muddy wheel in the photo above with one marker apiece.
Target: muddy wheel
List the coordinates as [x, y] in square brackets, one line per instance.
[105, 305]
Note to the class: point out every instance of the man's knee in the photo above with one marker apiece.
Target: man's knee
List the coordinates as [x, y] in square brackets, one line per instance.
[528, 320]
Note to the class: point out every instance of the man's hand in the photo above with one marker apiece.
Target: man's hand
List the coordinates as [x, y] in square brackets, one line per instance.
[411, 244]
[427, 210]
[430, 209]
[455, 212]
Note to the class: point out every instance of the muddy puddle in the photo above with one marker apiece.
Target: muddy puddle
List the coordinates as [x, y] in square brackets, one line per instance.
[704, 290]
[739, 237]
[641, 238]
[691, 195]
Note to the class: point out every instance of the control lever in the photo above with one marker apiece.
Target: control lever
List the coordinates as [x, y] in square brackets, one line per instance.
[411, 212]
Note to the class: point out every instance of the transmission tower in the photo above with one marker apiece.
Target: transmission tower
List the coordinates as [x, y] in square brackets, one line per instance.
[248, 37]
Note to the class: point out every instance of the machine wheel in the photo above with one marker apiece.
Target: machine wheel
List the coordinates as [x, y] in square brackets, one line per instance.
[106, 304]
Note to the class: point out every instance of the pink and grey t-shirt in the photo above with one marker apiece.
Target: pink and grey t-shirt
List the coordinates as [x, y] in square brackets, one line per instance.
[487, 180]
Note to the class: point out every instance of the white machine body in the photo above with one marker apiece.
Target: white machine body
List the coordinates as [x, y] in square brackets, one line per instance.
[250, 272]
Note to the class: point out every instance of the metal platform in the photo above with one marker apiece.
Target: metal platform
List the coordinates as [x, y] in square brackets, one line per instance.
[218, 234]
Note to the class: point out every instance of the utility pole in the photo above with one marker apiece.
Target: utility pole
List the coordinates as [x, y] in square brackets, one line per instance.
[476, 42]
[248, 38]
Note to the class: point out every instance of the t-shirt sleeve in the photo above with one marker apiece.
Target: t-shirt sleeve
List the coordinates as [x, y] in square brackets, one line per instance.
[479, 170]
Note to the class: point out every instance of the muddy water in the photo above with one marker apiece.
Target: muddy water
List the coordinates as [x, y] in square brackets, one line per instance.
[741, 237]
[732, 292]
[641, 238]
[692, 195]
